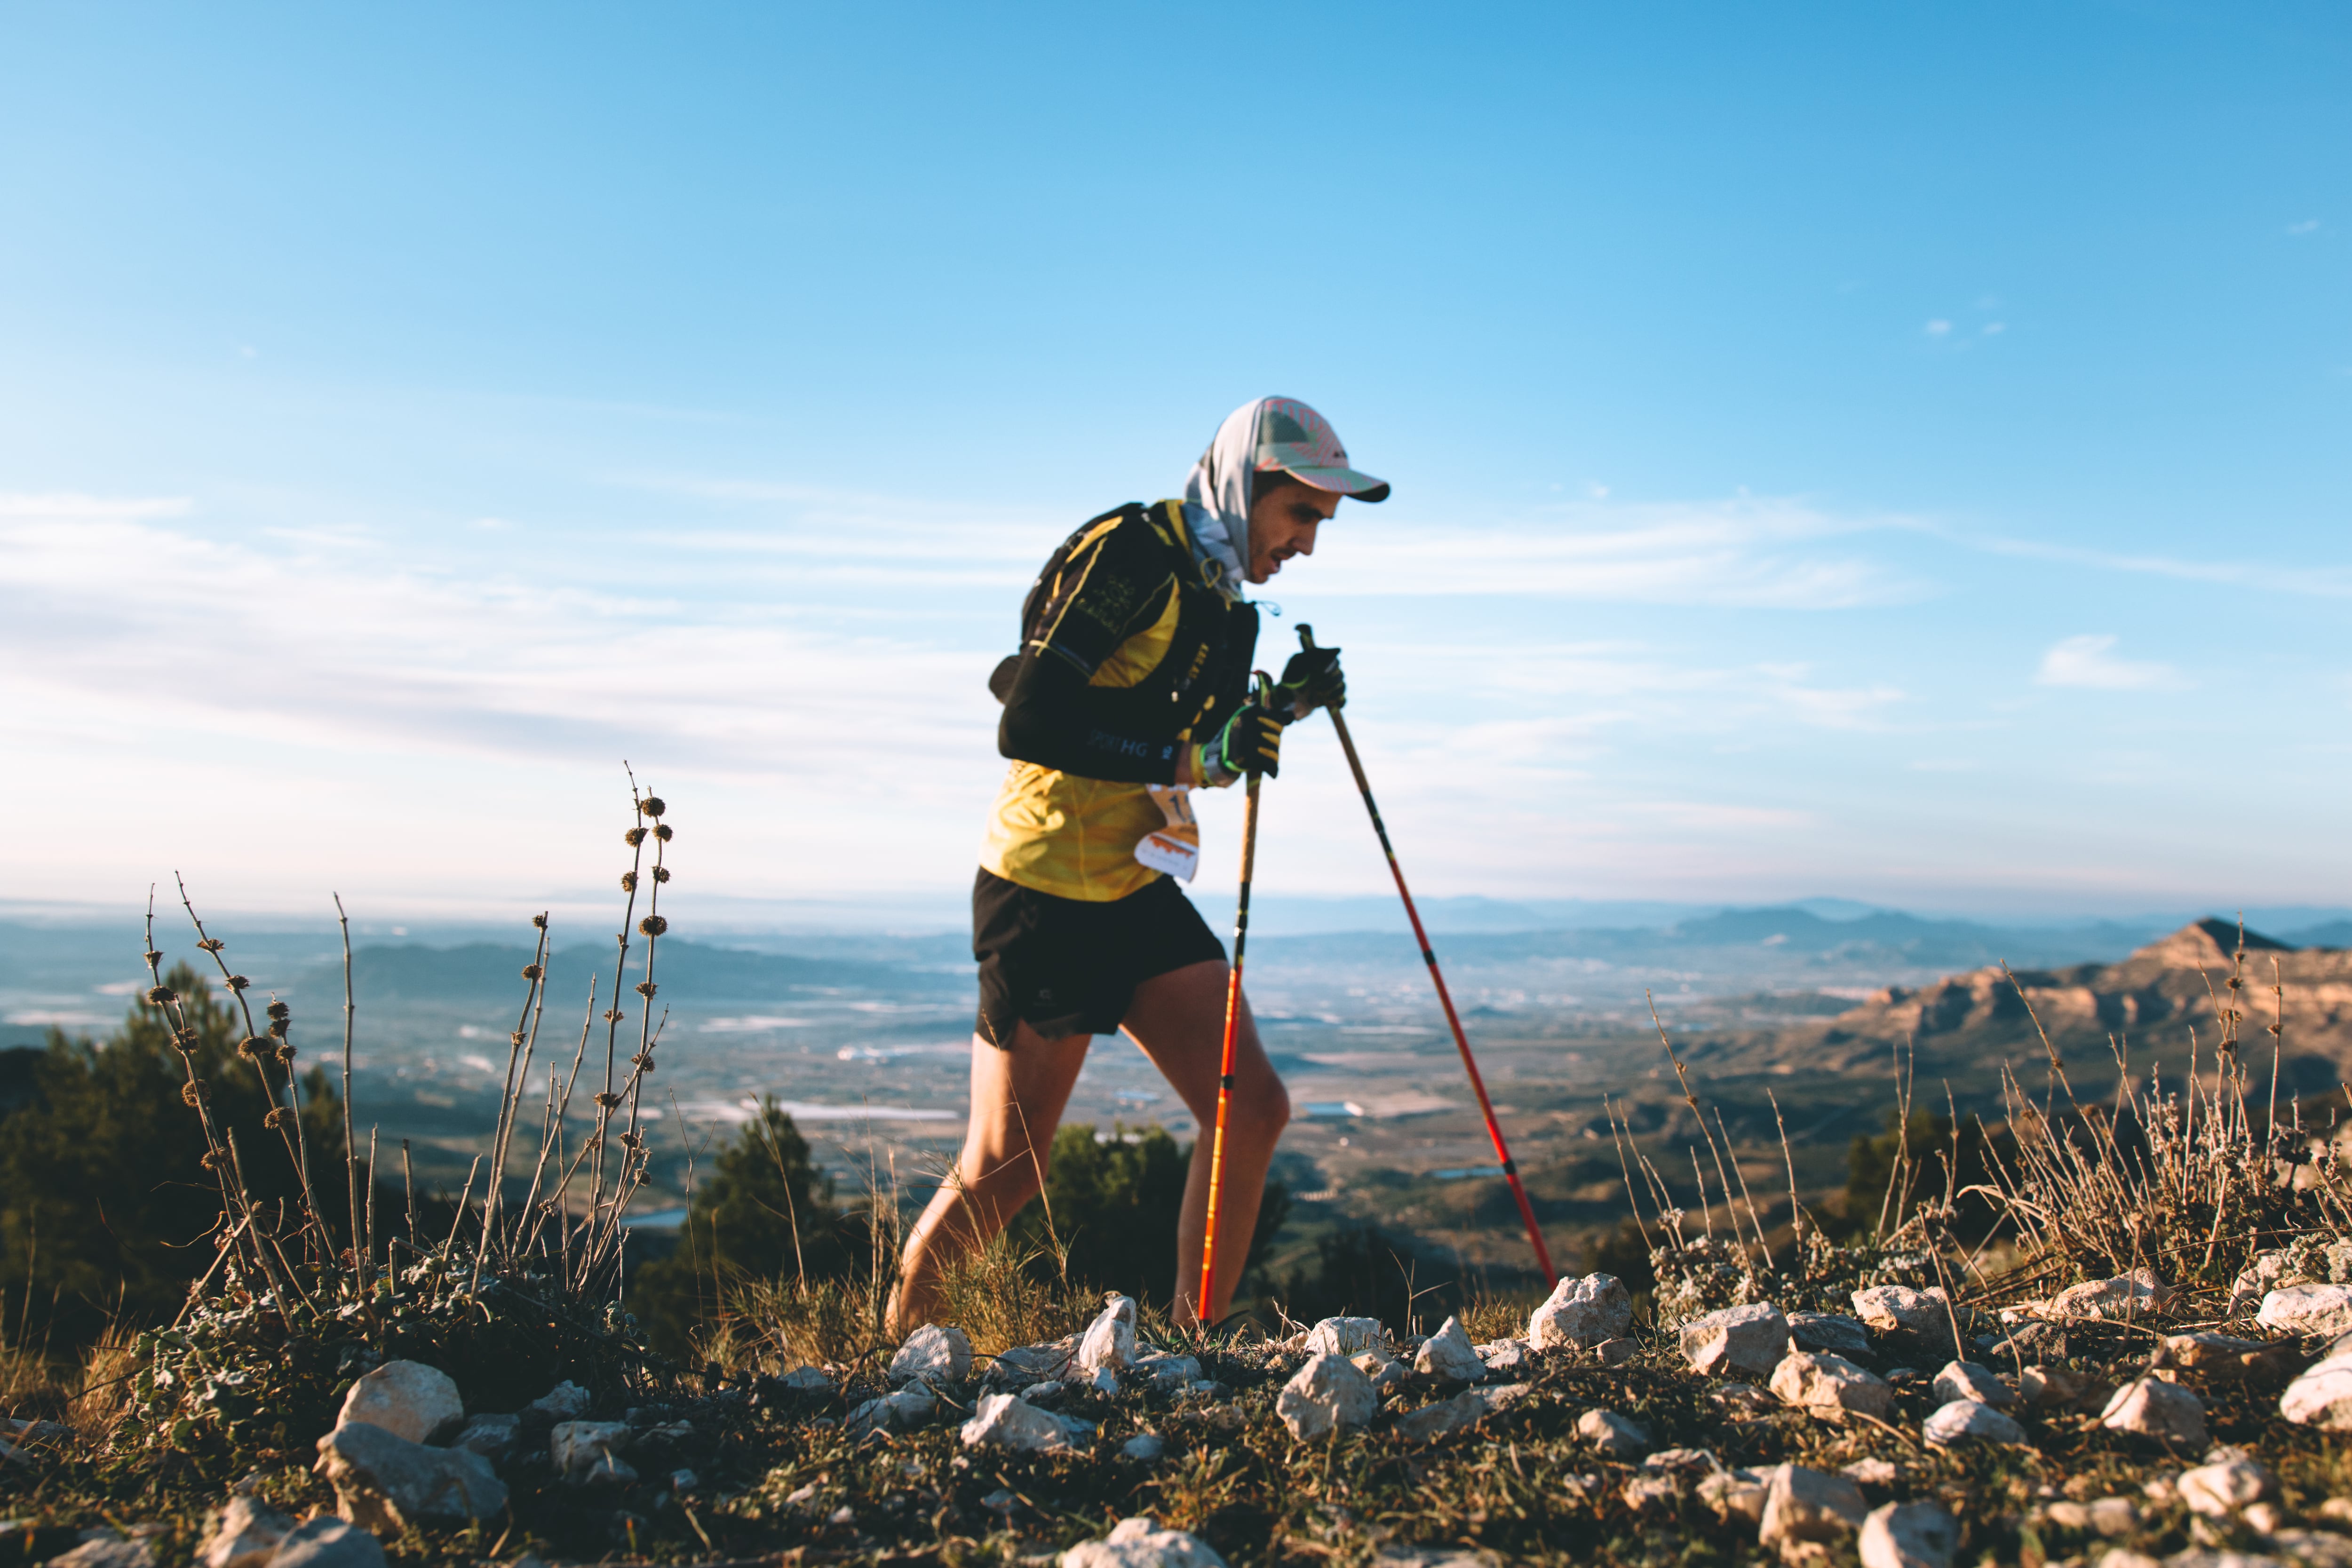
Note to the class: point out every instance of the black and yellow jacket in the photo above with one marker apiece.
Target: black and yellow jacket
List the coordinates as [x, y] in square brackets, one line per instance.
[1130, 657]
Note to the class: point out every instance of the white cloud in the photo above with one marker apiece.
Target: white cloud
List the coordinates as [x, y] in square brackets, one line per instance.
[2086, 660]
[1742, 553]
[2308, 226]
[1938, 328]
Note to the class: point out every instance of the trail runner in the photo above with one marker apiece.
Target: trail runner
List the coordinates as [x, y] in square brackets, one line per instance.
[1131, 690]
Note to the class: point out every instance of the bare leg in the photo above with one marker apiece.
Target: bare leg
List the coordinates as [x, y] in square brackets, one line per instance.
[1017, 1097]
[1178, 1020]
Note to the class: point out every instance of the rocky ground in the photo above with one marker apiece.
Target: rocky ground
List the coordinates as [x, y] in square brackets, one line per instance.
[2114, 1422]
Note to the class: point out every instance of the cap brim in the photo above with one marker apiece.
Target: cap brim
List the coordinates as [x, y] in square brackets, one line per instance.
[1348, 482]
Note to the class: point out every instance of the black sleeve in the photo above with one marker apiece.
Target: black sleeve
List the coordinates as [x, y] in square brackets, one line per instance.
[1054, 719]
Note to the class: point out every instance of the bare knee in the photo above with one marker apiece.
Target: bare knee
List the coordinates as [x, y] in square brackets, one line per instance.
[1264, 1111]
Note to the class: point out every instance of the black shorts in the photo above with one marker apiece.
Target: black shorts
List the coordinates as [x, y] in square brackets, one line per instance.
[1066, 966]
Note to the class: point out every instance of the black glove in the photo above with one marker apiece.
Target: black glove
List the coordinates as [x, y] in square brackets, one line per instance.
[1251, 742]
[1312, 679]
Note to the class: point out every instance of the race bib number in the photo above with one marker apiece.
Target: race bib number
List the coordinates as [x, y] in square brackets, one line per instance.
[1175, 848]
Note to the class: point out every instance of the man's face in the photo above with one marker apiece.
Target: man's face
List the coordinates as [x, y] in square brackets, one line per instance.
[1282, 524]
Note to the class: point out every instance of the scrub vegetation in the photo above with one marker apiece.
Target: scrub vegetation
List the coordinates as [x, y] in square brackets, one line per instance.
[201, 1259]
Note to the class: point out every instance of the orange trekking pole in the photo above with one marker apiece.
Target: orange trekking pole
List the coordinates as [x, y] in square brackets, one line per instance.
[1263, 698]
[1445, 1000]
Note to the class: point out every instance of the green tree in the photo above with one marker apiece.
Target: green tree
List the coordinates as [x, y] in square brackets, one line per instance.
[105, 1205]
[1903, 1166]
[766, 1212]
[1113, 1203]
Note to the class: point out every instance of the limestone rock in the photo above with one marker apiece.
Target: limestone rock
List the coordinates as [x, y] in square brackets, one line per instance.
[932, 1355]
[1580, 1312]
[1144, 1446]
[2107, 1515]
[2321, 1395]
[1614, 1351]
[567, 1401]
[107, 1551]
[2307, 1309]
[2125, 1298]
[1738, 1494]
[1507, 1355]
[1346, 1336]
[328, 1542]
[2221, 1357]
[1327, 1392]
[1909, 1535]
[1651, 1493]
[900, 1412]
[1169, 1373]
[1802, 1504]
[2218, 1490]
[1008, 1421]
[2056, 1387]
[384, 1483]
[1140, 1543]
[2154, 1408]
[1465, 1410]
[1834, 1333]
[1966, 1380]
[1967, 1421]
[1108, 1343]
[1829, 1385]
[244, 1535]
[492, 1437]
[809, 1380]
[1752, 1338]
[1449, 1353]
[406, 1398]
[1893, 1308]
[587, 1453]
[1869, 1472]
[1613, 1434]
[1025, 1364]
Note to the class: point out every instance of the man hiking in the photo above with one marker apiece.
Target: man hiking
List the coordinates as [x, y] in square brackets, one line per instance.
[1132, 687]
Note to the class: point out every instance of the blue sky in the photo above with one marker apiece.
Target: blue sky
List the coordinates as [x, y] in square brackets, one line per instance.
[1891, 452]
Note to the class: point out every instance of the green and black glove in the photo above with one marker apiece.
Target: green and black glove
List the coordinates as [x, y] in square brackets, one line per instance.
[1251, 742]
[1312, 679]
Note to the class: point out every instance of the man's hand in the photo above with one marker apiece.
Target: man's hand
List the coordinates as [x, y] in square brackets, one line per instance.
[1311, 680]
[1251, 742]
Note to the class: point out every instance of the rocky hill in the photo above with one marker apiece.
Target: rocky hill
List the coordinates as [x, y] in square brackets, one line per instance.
[2153, 999]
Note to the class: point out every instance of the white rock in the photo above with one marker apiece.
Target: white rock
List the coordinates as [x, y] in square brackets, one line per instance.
[900, 1412]
[1829, 1385]
[1738, 1494]
[1507, 1355]
[587, 1453]
[809, 1380]
[2051, 1388]
[933, 1354]
[1580, 1312]
[1888, 1308]
[1009, 1421]
[567, 1401]
[385, 1483]
[1140, 1543]
[406, 1398]
[1966, 1380]
[1752, 1338]
[2218, 1491]
[1870, 1472]
[2321, 1395]
[1145, 1447]
[108, 1551]
[1909, 1535]
[2307, 1309]
[1801, 1504]
[1448, 1353]
[2137, 1294]
[1614, 1351]
[2154, 1408]
[492, 1437]
[1170, 1374]
[1108, 1343]
[328, 1543]
[1970, 1420]
[1327, 1392]
[1832, 1332]
[1346, 1336]
[1653, 1493]
[2222, 1358]
[2108, 1515]
[244, 1535]
[1613, 1434]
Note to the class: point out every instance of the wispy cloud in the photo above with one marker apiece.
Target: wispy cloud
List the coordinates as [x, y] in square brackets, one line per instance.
[1748, 552]
[2087, 661]
[2307, 227]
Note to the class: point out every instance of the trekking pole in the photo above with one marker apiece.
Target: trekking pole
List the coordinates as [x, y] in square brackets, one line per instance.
[1264, 698]
[1444, 999]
